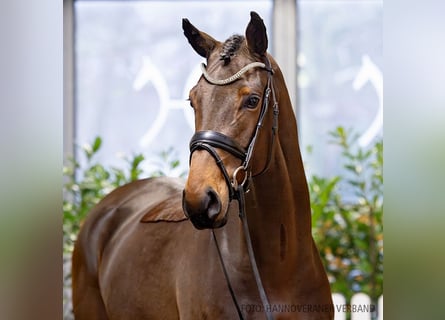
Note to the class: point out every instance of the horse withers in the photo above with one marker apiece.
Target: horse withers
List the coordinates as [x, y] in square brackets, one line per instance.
[161, 249]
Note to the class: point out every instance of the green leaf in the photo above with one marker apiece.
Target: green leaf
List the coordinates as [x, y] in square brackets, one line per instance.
[174, 164]
[137, 160]
[96, 144]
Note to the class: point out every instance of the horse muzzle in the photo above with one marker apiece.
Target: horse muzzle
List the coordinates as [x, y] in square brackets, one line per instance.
[204, 210]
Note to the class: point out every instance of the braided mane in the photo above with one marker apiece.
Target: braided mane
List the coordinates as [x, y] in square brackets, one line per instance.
[230, 47]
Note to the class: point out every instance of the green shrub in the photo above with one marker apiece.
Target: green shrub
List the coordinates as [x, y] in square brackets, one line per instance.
[347, 218]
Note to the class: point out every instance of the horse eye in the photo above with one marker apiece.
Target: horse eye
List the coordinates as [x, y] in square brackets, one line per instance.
[252, 102]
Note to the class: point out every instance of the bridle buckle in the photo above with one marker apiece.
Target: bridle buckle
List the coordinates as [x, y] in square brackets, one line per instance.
[239, 177]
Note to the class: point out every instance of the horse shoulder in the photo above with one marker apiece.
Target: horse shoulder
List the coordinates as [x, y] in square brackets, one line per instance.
[124, 203]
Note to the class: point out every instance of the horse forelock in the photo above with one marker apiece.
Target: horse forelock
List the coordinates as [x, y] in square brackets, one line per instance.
[230, 47]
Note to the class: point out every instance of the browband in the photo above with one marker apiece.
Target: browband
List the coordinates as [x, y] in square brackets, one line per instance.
[233, 78]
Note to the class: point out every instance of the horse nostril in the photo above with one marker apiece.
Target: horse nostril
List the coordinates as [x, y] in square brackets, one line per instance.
[205, 208]
[213, 204]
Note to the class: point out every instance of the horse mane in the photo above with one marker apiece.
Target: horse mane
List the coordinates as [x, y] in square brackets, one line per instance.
[230, 47]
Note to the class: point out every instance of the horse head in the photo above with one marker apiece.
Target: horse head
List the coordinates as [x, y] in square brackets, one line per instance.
[230, 103]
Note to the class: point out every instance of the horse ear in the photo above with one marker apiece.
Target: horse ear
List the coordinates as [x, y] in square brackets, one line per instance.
[200, 41]
[256, 34]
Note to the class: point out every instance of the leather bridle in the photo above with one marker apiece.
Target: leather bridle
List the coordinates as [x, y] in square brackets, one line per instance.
[209, 140]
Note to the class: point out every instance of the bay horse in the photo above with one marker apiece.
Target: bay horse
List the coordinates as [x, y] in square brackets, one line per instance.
[161, 249]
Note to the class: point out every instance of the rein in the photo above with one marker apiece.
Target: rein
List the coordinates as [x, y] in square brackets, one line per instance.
[209, 140]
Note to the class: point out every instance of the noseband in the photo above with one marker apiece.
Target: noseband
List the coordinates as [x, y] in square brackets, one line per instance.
[209, 140]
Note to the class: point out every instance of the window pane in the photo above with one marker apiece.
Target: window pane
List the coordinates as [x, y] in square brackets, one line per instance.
[134, 69]
[340, 76]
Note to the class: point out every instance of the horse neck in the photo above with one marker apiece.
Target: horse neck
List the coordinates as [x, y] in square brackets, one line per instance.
[278, 207]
